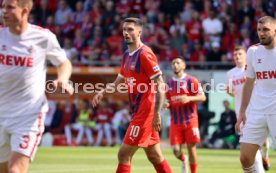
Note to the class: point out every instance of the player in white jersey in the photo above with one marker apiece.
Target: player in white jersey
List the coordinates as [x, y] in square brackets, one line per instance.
[24, 50]
[236, 79]
[258, 111]
[236, 76]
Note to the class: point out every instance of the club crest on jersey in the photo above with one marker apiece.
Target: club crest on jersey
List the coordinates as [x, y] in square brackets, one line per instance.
[4, 47]
[259, 61]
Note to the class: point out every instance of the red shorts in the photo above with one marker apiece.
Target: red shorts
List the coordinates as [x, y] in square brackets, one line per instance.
[140, 133]
[184, 134]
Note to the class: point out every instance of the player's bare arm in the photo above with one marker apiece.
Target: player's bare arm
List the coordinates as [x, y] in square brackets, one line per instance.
[98, 96]
[198, 98]
[159, 98]
[246, 95]
[229, 91]
[64, 71]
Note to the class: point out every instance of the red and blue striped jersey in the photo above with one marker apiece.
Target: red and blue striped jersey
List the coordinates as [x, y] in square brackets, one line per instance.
[138, 69]
[182, 113]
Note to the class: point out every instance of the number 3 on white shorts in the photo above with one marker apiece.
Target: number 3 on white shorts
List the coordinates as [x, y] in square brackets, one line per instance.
[25, 143]
[134, 132]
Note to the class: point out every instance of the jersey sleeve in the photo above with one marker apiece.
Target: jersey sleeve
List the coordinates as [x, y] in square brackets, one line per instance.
[55, 53]
[196, 88]
[150, 64]
[249, 70]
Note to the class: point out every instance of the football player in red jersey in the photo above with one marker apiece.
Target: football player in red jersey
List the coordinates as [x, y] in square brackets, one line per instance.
[139, 70]
[182, 94]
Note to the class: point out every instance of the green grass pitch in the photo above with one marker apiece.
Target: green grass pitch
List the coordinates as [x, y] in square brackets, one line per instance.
[104, 160]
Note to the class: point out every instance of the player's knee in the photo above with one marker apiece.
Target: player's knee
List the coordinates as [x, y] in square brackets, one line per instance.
[177, 153]
[124, 157]
[246, 161]
[14, 169]
[155, 159]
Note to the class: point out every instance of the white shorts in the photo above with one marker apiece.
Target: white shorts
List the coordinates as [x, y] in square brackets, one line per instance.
[257, 128]
[20, 134]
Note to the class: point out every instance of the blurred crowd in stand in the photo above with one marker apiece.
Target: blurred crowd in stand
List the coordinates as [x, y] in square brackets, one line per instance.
[199, 30]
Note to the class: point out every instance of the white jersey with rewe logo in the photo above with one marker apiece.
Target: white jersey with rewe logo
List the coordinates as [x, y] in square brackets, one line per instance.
[237, 78]
[261, 65]
[23, 62]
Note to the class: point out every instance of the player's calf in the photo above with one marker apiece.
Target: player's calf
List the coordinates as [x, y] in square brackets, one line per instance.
[179, 154]
[265, 155]
[126, 153]
[163, 167]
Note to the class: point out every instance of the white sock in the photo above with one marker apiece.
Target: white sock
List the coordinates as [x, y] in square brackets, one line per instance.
[250, 169]
[259, 162]
[265, 150]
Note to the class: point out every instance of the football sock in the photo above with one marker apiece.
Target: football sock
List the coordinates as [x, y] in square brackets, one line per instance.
[181, 157]
[163, 167]
[250, 169]
[193, 167]
[123, 168]
[265, 151]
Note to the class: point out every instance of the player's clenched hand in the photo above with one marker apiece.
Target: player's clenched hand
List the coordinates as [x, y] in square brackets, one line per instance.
[156, 124]
[63, 85]
[241, 119]
[185, 99]
[96, 99]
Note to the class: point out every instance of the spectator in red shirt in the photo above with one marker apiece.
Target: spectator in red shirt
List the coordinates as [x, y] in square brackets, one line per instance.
[103, 120]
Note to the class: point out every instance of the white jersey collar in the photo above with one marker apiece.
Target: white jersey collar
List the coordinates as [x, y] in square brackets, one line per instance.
[133, 52]
[241, 68]
[181, 78]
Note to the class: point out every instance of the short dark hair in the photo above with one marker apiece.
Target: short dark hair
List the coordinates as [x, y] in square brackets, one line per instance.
[226, 101]
[134, 20]
[239, 47]
[267, 19]
[179, 57]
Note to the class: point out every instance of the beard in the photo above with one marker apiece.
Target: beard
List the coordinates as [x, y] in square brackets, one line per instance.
[266, 43]
[130, 41]
[176, 72]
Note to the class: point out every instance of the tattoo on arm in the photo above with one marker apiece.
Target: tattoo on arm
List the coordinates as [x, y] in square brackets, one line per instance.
[159, 98]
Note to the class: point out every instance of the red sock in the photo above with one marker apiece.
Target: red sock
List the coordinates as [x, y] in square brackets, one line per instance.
[123, 168]
[193, 167]
[182, 157]
[163, 167]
